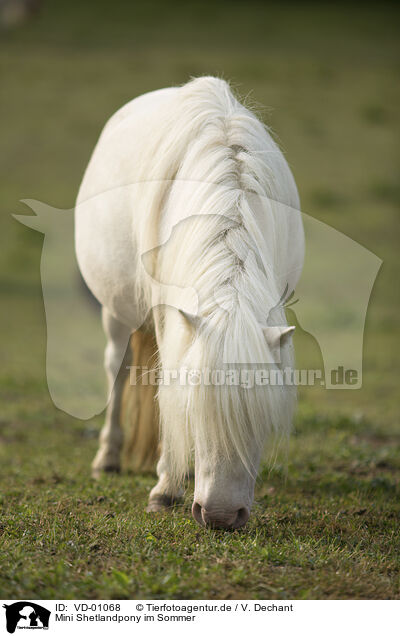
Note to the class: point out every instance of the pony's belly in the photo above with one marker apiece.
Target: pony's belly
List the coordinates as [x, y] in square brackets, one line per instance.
[106, 256]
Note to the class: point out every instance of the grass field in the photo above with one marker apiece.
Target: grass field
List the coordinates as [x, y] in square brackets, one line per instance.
[326, 519]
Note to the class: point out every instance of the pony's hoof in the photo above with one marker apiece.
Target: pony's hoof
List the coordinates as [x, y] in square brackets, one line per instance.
[98, 471]
[160, 503]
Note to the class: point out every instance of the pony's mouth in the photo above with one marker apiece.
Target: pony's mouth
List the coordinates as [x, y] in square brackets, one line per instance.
[227, 520]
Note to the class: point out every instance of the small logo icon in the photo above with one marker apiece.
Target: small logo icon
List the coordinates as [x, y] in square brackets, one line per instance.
[26, 615]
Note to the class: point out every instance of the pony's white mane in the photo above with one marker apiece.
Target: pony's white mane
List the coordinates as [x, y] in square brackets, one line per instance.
[219, 174]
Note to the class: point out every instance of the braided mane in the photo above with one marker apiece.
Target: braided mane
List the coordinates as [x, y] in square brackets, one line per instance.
[222, 179]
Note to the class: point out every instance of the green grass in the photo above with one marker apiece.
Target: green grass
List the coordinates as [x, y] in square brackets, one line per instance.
[325, 528]
[326, 519]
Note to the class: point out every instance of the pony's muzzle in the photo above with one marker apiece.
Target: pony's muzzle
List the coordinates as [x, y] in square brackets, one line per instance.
[228, 520]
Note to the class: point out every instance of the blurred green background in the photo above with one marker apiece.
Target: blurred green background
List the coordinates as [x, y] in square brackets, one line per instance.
[324, 77]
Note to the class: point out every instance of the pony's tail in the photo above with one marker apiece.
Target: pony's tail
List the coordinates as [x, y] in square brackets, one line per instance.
[139, 413]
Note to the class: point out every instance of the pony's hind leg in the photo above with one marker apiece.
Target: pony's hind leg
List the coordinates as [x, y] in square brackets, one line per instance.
[140, 450]
[116, 360]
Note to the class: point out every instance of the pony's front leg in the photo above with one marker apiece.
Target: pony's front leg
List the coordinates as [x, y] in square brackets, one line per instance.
[116, 360]
[166, 492]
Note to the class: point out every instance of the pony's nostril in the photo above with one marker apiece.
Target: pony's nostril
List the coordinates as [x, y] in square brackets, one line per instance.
[196, 513]
[241, 517]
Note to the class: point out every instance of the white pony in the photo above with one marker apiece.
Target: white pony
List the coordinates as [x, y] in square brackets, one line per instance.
[192, 170]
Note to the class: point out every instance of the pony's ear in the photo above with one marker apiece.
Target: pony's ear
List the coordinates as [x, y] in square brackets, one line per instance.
[278, 335]
[194, 321]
